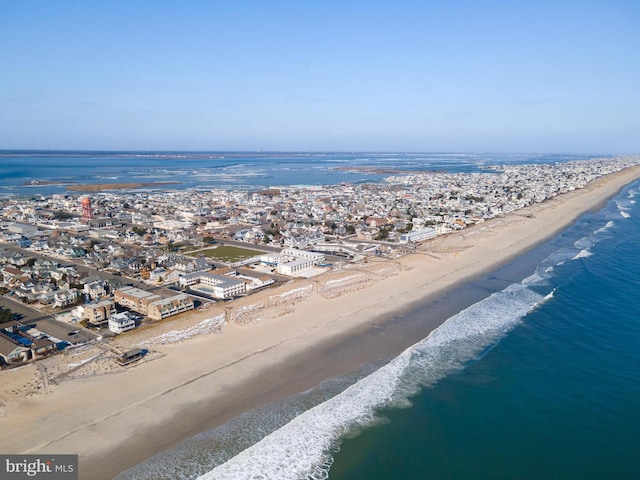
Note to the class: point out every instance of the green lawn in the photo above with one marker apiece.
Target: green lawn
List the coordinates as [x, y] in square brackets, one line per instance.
[229, 254]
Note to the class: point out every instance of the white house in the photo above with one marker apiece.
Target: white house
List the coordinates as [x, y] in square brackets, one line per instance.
[120, 322]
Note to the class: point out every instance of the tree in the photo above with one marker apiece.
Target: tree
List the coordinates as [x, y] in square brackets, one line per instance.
[350, 229]
[6, 315]
[383, 234]
[407, 228]
[209, 240]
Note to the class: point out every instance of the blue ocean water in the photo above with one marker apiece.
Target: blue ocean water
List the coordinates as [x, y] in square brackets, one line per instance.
[557, 397]
[45, 173]
[540, 379]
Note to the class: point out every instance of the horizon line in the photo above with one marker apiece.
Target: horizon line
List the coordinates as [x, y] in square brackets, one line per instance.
[45, 151]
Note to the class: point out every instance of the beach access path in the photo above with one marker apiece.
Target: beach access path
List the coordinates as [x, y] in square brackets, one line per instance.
[115, 421]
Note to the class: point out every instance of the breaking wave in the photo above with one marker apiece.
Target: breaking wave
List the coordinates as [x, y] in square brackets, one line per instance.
[609, 224]
[583, 254]
[303, 447]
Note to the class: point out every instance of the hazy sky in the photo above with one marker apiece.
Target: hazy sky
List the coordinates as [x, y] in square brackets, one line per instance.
[474, 76]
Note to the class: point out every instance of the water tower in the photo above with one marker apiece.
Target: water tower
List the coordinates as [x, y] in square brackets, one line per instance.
[86, 209]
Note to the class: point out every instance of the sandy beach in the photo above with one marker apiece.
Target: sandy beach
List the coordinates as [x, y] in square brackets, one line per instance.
[212, 365]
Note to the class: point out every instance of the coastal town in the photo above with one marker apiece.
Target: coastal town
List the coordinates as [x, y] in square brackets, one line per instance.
[79, 269]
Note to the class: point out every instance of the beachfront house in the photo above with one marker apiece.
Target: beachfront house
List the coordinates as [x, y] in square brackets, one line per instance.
[11, 352]
[121, 322]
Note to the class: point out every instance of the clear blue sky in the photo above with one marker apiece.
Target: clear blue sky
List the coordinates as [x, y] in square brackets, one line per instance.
[473, 76]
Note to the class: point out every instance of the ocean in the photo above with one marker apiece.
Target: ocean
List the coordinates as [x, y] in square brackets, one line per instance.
[538, 377]
[554, 394]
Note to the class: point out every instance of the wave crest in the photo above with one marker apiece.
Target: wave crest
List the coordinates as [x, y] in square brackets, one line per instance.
[302, 448]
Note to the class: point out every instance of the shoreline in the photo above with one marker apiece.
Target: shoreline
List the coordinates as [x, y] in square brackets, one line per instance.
[116, 421]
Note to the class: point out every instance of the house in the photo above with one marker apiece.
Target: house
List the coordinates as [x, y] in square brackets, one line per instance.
[12, 352]
[11, 272]
[157, 275]
[95, 287]
[98, 313]
[42, 347]
[42, 268]
[121, 322]
[64, 298]
[376, 222]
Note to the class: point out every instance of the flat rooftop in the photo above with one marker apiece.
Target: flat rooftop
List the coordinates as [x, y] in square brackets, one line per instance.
[138, 293]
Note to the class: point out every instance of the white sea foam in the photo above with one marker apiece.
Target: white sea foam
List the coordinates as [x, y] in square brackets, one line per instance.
[560, 256]
[581, 247]
[151, 175]
[624, 205]
[609, 224]
[229, 175]
[583, 254]
[583, 243]
[534, 278]
[301, 448]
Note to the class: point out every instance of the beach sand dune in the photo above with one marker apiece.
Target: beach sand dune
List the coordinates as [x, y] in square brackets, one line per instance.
[212, 365]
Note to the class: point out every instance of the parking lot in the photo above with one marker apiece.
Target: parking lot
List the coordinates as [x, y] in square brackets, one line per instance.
[69, 333]
[46, 323]
[24, 313]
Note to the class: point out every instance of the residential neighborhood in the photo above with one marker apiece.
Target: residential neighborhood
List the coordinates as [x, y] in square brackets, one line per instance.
[112, 261]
